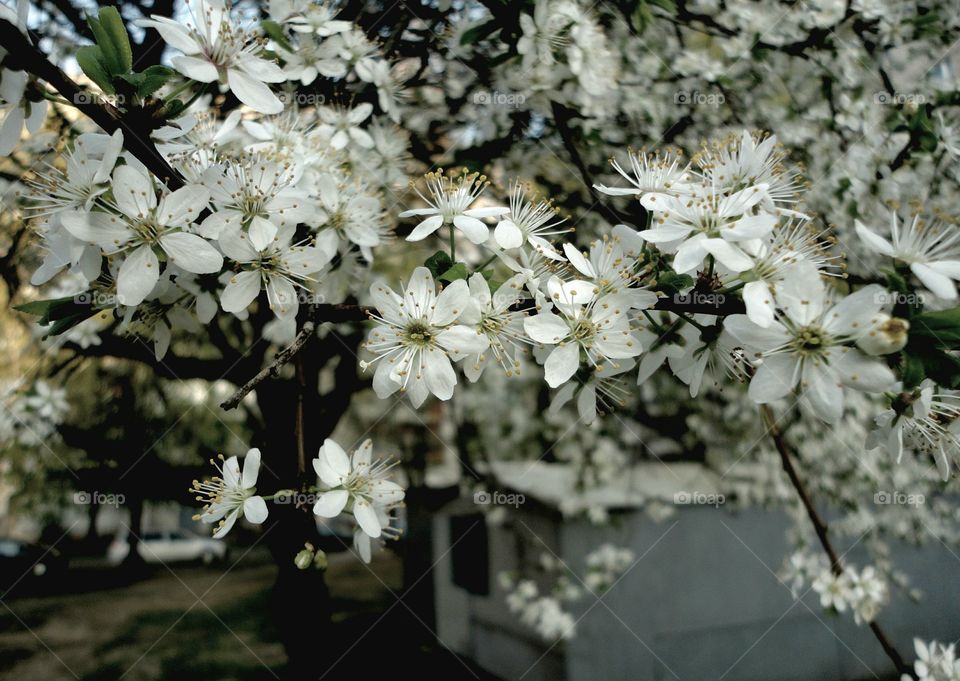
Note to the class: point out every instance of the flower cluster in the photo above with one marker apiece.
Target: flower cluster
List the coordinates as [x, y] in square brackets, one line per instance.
[935, 661]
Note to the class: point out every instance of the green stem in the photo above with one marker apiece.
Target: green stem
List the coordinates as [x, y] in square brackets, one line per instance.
[453, 245]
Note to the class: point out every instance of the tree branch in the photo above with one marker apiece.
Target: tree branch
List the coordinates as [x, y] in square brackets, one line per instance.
[22, 54]
[820, 527]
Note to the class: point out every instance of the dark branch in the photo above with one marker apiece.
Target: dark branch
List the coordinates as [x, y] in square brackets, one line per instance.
[820, 527]
[22, 54]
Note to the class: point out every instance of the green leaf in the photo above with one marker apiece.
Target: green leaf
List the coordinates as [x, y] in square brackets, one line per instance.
[56, 309]
[923, 359]
[941, 327]
[68, 323]
[150, 80]
[438, 263]
[116, 35]
[672, 283]
[458, 271]
[275, 31]
[91, 60]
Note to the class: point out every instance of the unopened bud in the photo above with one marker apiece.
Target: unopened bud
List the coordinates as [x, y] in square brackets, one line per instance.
[303, 559]
[320, 560]
[888, 335]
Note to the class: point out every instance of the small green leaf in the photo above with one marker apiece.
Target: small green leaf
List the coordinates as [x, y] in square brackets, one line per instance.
[672, 283]
[91, 60]
[68, 323]
[458, 271]
[150, 80]
[438, 263]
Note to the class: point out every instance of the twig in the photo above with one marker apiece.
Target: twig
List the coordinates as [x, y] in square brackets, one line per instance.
[820, 527]
[561, 116]
[300, 430]
[272, 370]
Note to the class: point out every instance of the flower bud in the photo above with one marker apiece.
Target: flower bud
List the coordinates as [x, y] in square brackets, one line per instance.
[304, 559]
[320, 560]
[888, 334]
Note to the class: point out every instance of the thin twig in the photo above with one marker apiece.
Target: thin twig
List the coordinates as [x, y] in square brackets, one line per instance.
[820, 527]
[272, 370]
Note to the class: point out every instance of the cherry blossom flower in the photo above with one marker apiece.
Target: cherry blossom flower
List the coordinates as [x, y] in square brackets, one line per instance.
[809, 346]
[357, 484]
[416, 336]
[450, 199]
[215, 49]
[141, 225]
[231, 493]
[931, 249]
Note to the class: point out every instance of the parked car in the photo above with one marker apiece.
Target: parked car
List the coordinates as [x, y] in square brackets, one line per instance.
[23, 565]
[176, 546]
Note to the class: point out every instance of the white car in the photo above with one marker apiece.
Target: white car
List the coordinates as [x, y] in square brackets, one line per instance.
[174, 546]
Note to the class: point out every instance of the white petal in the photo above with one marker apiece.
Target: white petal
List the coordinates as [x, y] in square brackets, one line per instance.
[367, 518]
[562, 364]
[251, 468]
[451, 303]
[474, 230]
[191, 252]
[137, 277]
[242, 289]
[939, 284]
[255, 510]
[331, 504]
[438, 373]
[759, 301]
[425, 228]
[873, 241]
[546, 327]
[253, 93]
[196, 68]
[508, 235]
[774, 378]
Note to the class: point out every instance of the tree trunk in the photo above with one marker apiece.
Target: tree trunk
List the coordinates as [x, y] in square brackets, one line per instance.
[301, 601]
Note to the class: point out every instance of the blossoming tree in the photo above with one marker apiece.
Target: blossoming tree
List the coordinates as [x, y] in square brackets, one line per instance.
[247, 190]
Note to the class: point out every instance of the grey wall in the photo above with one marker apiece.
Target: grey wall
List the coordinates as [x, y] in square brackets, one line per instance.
[702, 602]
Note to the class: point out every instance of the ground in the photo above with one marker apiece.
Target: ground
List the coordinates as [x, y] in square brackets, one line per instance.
[204, 623]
